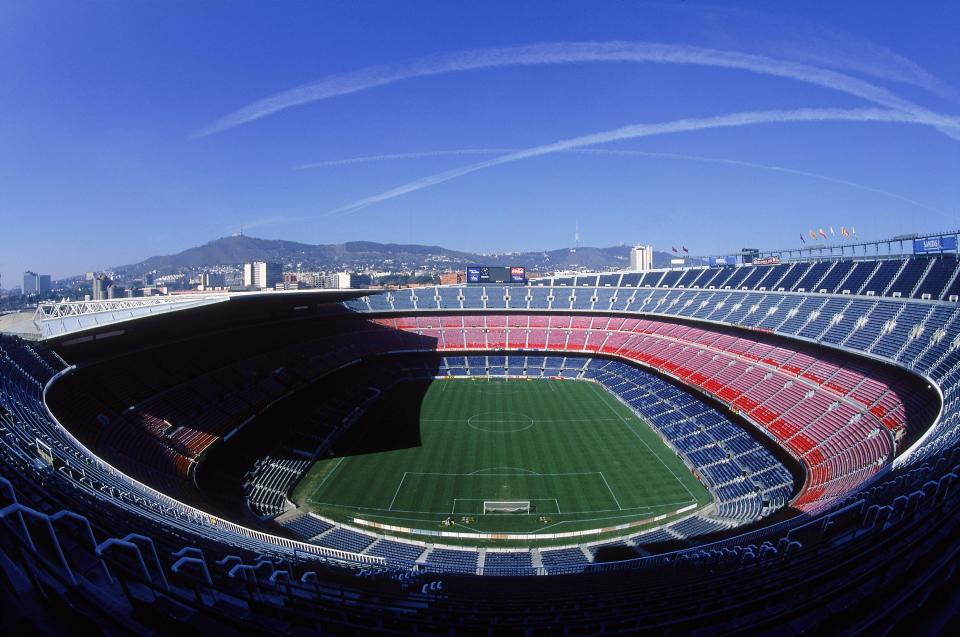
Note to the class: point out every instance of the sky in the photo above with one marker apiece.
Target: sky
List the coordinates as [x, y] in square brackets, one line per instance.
[129, 129]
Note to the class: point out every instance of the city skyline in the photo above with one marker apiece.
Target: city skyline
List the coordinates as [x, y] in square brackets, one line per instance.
[139, 130]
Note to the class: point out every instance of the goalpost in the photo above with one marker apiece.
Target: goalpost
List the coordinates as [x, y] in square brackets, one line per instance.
[506, 506]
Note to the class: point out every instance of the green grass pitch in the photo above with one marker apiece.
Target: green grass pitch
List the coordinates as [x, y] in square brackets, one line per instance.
[579, 456]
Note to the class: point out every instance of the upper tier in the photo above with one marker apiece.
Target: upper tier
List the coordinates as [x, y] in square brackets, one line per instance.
[921, 277]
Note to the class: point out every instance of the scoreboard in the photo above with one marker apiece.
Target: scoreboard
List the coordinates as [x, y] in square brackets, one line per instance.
[496, 274]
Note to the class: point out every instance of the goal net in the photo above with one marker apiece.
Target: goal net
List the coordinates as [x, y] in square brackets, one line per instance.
[506, 506]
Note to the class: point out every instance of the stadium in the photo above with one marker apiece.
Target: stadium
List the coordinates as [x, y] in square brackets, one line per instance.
[766, 445]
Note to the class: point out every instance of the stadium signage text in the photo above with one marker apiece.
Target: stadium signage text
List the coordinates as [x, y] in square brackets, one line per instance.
[934, 244]
[496, 274]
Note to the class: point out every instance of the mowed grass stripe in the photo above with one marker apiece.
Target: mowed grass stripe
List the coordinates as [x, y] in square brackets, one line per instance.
[651, 442]
[577, 428]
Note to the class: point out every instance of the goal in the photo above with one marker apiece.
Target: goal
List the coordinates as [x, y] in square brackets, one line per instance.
[506, 506]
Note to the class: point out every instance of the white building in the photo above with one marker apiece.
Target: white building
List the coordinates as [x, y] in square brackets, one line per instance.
[641, 258]
[338, 280]
[261, 274]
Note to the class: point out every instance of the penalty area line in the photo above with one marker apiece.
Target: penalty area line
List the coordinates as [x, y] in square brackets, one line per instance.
[397, 492]
[611, 491]
[325, 478]
[604, 397]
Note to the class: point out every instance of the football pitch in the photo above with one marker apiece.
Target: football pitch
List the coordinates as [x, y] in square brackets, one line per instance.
[458, 454]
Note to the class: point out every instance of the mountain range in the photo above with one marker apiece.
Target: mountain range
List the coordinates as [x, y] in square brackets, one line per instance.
[356, 255]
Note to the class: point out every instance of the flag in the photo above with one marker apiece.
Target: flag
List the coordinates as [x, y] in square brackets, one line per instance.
[685, 248]
[843, 232]
[801, 238]
[853, 231]
[674, 249]
[813, 235]
[822, 233]
[832, 232]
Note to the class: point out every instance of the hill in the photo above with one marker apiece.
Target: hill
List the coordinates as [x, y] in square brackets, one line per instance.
[353, 255]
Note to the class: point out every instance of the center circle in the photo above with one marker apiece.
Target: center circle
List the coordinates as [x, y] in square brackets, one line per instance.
[500, 422]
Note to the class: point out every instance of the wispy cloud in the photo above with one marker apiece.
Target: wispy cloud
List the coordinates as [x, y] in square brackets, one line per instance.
[636, 131]
[461, 152]
[570, 53]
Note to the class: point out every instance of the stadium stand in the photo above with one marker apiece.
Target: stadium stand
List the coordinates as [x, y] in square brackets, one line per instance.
[857, 383]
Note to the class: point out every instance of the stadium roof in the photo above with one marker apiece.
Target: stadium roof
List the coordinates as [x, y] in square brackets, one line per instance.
[55, 320]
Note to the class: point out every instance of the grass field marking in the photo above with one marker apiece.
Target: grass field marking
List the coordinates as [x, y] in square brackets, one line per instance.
[395, 493]
[325, 478]
[580, 420]
[427, 498]
[513, 474]
[453, 509]
[501, 475]
[467, 389]
[523, 424]
[626, 422]
[382, 513]
[606, 519]
[611, 491]
[536, 422]
[526, 471]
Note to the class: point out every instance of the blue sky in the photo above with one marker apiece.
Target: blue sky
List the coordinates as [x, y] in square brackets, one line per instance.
[114, 147]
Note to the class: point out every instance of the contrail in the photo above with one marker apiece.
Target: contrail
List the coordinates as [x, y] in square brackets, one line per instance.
[569, 53]
[645, 130]
[780, 169]
[801, 40]
[460, 152]
[420, 155]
